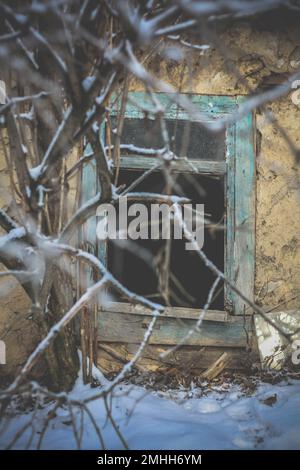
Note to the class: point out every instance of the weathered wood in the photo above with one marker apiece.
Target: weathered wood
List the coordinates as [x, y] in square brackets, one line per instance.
[185, 360]
[240, 245]
[130, 328]
[139, 162]
[211, 106]
[170, 312]
[83, 341]
[89, 189]
[217, 367]
[230, 203]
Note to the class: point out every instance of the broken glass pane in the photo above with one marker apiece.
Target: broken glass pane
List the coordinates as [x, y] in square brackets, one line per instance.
[187, 139]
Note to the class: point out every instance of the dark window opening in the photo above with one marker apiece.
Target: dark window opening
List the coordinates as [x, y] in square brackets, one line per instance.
[187, 138]
[189, 279]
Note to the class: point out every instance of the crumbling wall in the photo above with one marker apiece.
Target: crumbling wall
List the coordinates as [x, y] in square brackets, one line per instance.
[17, 328]
[278, 211]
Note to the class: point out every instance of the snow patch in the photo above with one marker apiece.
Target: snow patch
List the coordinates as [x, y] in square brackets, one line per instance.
[177, 419]
[88, 82]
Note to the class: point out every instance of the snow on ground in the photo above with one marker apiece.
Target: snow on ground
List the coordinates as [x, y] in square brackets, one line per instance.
[180, 419]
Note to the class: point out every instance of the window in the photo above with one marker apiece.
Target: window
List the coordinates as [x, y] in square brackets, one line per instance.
[215, 169]
[187, 273]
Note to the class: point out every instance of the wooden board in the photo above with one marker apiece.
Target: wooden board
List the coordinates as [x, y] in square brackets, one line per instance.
[210, 105]
[130, 328]
[185, 360]
[170, 312]
[139, 162]
[240, 243]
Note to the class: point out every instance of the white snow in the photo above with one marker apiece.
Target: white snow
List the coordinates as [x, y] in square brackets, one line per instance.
[21, 18]
[95, 127]
[12, 236]
[24, 149]
[90, 112]
[88, 82]
[28, 191]
[143, 150]
[181, 419]
[35, 172]
[29, 116]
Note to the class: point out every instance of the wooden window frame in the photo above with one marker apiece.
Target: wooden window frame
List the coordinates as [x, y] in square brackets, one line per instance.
[238, 168]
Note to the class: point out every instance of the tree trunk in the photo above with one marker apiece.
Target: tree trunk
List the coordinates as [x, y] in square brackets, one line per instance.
[61, 357]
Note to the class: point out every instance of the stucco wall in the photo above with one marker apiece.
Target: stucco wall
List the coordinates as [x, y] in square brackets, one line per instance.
[260, 56]
[17, 329]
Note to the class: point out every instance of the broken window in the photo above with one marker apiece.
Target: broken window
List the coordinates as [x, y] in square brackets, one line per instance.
[215, 169]
[139, 264]
[186, 138]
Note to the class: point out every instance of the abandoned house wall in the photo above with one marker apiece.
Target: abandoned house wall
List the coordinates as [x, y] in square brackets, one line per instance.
[17, 329]
[262, 58]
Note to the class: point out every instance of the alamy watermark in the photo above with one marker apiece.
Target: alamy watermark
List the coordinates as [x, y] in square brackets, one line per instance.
[2, 353]
[2, 92]
[122, 221]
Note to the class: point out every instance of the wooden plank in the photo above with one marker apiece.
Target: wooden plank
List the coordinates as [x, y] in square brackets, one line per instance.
[88, 236]
[185, 360]
[123, 327]
[88, 239]
[217, 367]
[170, 312]
[89, 190]
[240, 244]
[138, 162]
[230, 215]
[209, 105]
